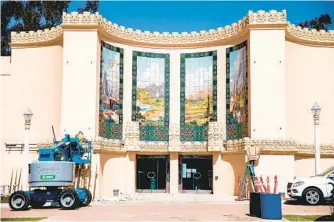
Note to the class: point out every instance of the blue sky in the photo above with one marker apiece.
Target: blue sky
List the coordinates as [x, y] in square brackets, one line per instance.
[174, 16]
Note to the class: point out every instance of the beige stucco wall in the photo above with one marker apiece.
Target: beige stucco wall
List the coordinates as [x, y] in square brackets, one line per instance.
[80, 76]
[267, 84]
[302, 163]
[281, 166]
[309, 79]
[35, 82]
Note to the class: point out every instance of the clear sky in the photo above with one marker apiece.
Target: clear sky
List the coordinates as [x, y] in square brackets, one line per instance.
[186, 16]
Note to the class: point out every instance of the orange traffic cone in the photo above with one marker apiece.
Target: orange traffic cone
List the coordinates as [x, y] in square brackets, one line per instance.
[240, 189]
[275, 184]
[268, 185]
[264, 189]
[257, 185]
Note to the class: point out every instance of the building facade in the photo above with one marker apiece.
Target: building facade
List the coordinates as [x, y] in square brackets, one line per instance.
[173, 112]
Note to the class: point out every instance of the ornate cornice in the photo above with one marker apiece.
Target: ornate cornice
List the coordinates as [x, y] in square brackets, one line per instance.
[121, 34]
[305, 35]
[276, 146]
[41, 37]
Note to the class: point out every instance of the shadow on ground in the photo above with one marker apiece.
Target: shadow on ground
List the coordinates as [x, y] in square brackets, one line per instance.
[325, 218]
[297, 202]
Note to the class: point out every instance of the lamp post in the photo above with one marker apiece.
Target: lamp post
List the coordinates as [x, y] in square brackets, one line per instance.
[316, 113]
[25, 172]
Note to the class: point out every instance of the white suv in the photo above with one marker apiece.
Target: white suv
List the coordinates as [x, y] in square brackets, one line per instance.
[313, 190]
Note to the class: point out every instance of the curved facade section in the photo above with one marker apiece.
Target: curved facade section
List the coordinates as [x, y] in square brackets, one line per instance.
[212, 37]
[174, 105]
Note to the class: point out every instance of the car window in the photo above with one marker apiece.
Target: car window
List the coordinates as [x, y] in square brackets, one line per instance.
[331, 176]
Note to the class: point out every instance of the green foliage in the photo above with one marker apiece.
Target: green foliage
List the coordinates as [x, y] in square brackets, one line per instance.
[23, 219]
[322, 22]
[308, 217]
[91, 6]
[33, 16]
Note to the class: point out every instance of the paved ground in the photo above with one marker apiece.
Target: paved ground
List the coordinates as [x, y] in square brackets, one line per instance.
[236, 211]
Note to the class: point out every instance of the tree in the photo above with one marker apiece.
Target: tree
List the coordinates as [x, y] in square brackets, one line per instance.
[28, 16]
[323, 22]
[91, 6]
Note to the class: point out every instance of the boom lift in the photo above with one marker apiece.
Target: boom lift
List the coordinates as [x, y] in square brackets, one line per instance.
[51, 177]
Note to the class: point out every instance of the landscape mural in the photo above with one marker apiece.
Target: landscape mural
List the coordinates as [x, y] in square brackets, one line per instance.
[238, 92]
[110, 87]
[150, 94]
[198, 90]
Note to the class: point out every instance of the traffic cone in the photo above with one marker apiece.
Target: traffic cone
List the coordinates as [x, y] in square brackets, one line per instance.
[268, 185]
[247, 188]
[275, 184]
[240, 190]
[257, 185]
[264, 189]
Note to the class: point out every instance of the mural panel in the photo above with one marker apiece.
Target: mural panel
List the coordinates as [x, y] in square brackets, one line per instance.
[150, 105]
[198, 94]
[111, 92]
[236, 92]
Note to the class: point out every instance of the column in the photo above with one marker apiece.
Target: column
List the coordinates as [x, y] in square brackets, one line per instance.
[174, 173]
[267, 83]
[80, 82]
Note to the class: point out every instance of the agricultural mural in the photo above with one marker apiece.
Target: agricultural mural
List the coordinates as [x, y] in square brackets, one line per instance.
[237, 92]
[150, 94]
[198, 94]
[198, 91]
[110, 91]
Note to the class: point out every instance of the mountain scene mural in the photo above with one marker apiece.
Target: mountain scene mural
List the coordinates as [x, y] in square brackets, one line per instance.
[150, 91]
[198, 89]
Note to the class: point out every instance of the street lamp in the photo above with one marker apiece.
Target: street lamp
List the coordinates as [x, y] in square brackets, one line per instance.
[316, 113]
[25, 173]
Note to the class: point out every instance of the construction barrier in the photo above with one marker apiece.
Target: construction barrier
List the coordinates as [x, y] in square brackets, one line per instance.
[260, 186]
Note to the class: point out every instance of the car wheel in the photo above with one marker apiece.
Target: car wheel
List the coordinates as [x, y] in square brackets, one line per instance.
[312, 196]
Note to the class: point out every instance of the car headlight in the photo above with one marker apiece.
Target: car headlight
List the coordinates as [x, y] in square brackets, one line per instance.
[299, 183]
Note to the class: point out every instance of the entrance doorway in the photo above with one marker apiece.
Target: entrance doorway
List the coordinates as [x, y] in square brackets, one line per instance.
[195, 173]
[152, 173]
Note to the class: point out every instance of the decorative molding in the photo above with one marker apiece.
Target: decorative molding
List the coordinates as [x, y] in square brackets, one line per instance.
[153, 146]
[273, 146]
[215, 137]
[39, 37]
[131, 141]
[88, 20]
[308, 35]
[174, 137]
[193, 147]
[104, 144]
[263, 17]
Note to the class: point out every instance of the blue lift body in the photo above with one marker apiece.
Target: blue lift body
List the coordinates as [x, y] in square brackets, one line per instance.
[61, 158]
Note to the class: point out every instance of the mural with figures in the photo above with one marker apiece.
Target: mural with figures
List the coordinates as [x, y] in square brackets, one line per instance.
[237, 92]
[198, 91]
[150, 91]
[110, 94]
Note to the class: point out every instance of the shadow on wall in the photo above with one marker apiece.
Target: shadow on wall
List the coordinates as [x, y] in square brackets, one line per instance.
[237, 166]
[116, 171]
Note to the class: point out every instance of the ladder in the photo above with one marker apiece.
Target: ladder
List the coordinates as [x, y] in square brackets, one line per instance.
[248, 172]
